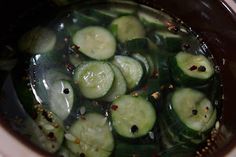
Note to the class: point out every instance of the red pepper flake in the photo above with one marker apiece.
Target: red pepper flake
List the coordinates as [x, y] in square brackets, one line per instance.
[173, 28]
[192, 68]
[114, 107]
[70, 67]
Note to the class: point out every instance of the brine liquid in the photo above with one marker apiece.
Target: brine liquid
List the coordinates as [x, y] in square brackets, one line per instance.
[59, 63]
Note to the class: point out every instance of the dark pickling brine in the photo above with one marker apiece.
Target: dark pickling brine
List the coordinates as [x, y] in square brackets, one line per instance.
[116, 79]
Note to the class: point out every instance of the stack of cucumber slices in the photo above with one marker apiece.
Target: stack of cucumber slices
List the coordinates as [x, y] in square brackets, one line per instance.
[121, 81]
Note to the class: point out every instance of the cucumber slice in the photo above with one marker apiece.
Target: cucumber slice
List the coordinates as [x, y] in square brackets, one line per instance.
[130, 150]
[144, 61]
[170, 41]
[151, 63]
[42, 81]
[137, 45]
[38, 40]
[64, 152]
[61, 98]
[103, 15]
[119, 85]
[123, 11]
[94, 79]
[128, 28]
[193, 109]
[77, 59]
[91, 136]
[132, 117]
[151, 21]
[95, 42]
[83, 20]
[51, 127]
[131, 69]
[191, 69]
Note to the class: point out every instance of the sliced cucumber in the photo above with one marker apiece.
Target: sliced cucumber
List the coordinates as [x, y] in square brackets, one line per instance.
[43, 72]
[131, 69]
[151, 63]
[84, 20]
[144, 61]
[130, 150]
[61, 98]
[119, 85]
[128, 28]
[123, 11]
[137, 45]
[103, 15]
[51, 127]
[38, 40]
[170, 41]
[191, 69]
[77, 59]
[91, 136]
[132, 117]
[95, 42]
[151, 21]
[94, 79]
[193, 109]
[64, 152]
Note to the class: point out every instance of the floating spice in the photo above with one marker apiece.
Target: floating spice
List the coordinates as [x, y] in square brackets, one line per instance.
[70, 67]
[134, 129]
[51, 136]
[194, 112]
[192, 68]
[66, 91]
[202, 68]
[81, 155]
[114, 107]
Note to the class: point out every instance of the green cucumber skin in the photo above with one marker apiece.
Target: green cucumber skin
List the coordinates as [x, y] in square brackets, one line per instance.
[171, 117]
[85, 20]
[128, 150]
[102, 17]
[161, 66]
[118, 59]
[137, 45]
[180, 78]
[178, 151]
[170, 44]
[119, 86]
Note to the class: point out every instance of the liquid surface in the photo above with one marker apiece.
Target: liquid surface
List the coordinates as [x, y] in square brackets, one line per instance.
[67, 108]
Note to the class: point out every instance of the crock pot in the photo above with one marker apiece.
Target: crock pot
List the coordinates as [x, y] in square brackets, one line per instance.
[213, 20]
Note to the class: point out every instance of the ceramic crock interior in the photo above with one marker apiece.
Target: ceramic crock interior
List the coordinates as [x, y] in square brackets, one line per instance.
[210, 19]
